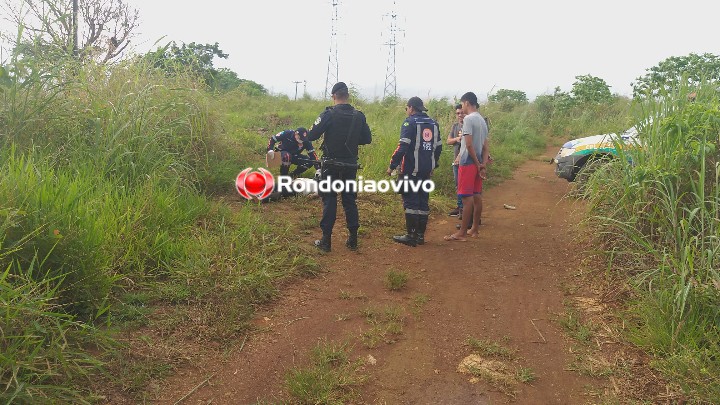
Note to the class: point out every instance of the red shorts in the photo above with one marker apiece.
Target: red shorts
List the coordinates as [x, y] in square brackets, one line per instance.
[469, 181]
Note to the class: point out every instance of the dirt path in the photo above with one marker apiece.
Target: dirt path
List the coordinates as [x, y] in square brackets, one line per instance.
[503, 287]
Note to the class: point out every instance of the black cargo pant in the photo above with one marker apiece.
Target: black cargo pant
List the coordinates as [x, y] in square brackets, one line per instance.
[338, 172]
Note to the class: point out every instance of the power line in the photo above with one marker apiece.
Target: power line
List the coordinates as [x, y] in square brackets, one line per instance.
[333, 66]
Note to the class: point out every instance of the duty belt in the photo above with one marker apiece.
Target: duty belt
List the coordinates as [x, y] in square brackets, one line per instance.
[339, 164]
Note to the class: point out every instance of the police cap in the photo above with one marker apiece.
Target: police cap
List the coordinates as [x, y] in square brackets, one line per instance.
[302, 132]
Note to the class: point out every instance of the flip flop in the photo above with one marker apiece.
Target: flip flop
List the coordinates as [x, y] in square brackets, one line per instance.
[452, 237]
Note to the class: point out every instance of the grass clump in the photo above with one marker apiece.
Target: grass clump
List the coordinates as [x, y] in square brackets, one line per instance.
[396, 280]
[386, 325]
[41, 346]
[330, 378]
[573, 325]
[495, 364]
[525, 375]
[490, 348]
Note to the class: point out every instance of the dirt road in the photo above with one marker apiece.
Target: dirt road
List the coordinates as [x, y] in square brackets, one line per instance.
[502, 287]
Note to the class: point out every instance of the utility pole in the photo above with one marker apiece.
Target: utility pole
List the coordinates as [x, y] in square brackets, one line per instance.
[75, 28]
[296, 83]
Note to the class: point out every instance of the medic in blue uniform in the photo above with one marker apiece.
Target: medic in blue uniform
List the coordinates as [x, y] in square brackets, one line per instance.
[291, 144]
[416, 157]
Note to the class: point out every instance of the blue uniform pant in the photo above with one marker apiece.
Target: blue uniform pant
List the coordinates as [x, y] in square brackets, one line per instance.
[416, 202]
[329, 200]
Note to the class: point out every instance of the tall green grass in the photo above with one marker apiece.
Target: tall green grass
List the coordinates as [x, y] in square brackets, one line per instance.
[106, 173]
[104, 170]
[655, 209]
[42, 347]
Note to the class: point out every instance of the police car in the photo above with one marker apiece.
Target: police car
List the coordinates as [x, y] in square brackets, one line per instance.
[582, 154]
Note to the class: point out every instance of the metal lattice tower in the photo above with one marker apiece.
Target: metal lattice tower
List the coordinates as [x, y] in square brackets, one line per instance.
[333, 66]
[390, 76]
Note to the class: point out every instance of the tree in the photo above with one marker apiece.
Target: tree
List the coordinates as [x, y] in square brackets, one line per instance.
[198, 59]
[562, 100]
[590, 90]
[103, 27]
[676, 70]
[505, 95]
[508, 99]
[225, 79]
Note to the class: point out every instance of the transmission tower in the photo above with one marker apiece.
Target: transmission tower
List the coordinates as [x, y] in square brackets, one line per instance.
[390, 76]
[333, 67]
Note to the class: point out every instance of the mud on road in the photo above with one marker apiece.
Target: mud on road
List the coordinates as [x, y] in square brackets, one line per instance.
[503, 286]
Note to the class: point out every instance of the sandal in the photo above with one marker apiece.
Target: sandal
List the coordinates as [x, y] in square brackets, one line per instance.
[452, 237]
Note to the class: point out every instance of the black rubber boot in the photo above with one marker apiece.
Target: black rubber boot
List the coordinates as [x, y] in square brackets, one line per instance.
[422, 224]
[352, 240]
[410, 239]
[323, 243]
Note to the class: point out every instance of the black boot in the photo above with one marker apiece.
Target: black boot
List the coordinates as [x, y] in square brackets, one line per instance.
[323, 243]
[352, 240]
[410, 239]
[422, 224]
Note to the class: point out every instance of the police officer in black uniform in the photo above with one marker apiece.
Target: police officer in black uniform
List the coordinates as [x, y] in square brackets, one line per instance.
[416, 157]
[344, 128]
[291, 145]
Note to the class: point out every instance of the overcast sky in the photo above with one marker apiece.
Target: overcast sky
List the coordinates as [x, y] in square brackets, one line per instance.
[446, 48]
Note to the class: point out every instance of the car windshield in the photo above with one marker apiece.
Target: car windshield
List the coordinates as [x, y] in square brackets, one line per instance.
[630, 133]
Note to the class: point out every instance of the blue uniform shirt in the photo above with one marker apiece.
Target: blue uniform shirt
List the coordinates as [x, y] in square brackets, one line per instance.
[288, 143]
[419, 148]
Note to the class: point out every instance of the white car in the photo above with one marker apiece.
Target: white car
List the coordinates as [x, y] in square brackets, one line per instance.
[576, 154]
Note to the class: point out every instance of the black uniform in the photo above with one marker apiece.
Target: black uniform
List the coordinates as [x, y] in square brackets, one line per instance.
[291, 152]
[344, 129]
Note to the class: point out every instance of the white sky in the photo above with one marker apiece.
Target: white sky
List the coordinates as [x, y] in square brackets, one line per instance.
[447, 48]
